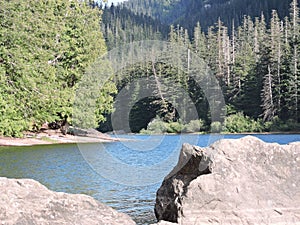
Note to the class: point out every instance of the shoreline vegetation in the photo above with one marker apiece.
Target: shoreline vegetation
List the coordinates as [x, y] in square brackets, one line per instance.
[236, 124]
[50, 64]
[51, 139]
[232, 124]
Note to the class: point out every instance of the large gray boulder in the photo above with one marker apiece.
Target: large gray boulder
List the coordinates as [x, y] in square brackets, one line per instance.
[243, 181]
[27, 202]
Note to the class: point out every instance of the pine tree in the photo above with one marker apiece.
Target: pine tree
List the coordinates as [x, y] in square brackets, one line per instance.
[199, 42]
[244, 63]
[295, 49]
[268, 105]
[286, 72]
[276, 43]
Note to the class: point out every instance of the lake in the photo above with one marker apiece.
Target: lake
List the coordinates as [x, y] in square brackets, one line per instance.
[124, 175]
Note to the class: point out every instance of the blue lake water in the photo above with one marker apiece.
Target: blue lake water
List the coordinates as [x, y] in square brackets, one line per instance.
[123, 175]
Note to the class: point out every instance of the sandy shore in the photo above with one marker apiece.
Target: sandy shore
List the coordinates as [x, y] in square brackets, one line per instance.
[46, 139]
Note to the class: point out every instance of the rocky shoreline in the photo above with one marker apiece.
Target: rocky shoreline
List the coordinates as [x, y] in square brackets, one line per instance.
[240, 181]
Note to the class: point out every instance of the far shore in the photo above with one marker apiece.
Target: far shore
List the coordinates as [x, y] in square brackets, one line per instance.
[50, 139]
[264, 133]
[45, 139]
[226, 133]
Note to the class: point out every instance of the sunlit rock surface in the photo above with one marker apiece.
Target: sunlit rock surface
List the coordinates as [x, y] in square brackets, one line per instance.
[243, 181]
[27, 202]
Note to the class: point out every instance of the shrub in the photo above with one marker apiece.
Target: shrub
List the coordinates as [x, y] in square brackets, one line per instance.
[13, 128]
[216, 127]
[174, 127]
[193, 126]
[156, 126]
[144, 131]
[239, 123]
[277, 125]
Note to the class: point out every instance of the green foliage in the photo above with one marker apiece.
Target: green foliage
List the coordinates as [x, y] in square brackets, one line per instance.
[45, 48]
[156, 126]
[216, 127]
[239, 123]
[194, 126]
[120, 25]
[93, 96]
[277, 125]
[174, 127]
[11, 123]
[255, 61]
[165, 10]
[188, 12]
[235, 123]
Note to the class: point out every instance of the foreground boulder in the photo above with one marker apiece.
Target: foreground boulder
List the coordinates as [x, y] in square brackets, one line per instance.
[28, 202]
[243, 181]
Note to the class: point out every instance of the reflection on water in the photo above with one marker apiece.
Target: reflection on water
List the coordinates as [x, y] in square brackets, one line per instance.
[63, 168]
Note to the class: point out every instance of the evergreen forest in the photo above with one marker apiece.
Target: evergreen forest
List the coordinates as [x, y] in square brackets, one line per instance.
[45, 48]
[251, 47]
[254, 55]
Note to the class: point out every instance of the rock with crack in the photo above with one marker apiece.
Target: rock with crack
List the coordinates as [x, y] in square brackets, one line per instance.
[243, 181]
[24, 201]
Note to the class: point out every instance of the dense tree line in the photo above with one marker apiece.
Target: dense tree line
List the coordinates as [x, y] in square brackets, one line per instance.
[256, 64]
[121, 25]
[45, 48]
[166, 11]
[187, 13]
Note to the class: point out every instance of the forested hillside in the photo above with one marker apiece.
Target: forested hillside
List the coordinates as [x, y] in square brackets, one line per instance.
[187, 13]
[45, 48]
[165, 10]
[256, 63]
[121, 25]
